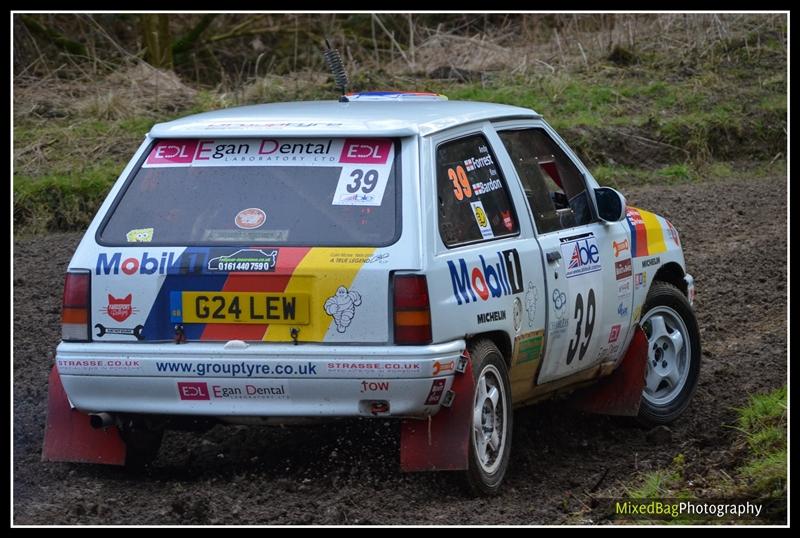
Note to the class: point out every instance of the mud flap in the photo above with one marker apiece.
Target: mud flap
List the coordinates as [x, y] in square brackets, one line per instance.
[68, 436]
[619, 393]
[441, 442]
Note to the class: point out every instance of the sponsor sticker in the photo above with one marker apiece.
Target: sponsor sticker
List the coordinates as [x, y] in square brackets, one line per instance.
[531, 299]
[136, 332]
[89, 365]
[172, 152]
[232, 390]
[559, 325]
[246, 152]
[249, 391]
[374, 386]
[582, 255]
[624, 288]
[482, 219]
[614, 334]
[250, 218]
[112, 264]
[622, 310]
[623, 269]
[486, 280]
[640, 280]
[374, 366]
[530, 347]
[193, 391]
[366, 151]
[140, 235]
[236, 369]
[651, 261]
[367, 165]
[119, 309]
[255, 124]
[437, 389]
[491, 317]
[441, 366]
[245, 260]
[620, 247]
[342, 307]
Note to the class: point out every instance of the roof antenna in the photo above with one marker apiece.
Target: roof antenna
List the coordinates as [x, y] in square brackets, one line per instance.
[334, 62]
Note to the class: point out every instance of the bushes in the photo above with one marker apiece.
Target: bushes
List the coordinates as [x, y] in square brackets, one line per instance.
[58, 203]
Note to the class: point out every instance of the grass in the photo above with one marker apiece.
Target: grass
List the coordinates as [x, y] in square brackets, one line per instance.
[760, 478]
[763, 423]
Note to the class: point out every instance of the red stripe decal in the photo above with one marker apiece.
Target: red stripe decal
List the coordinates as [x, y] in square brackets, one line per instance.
[641, 232]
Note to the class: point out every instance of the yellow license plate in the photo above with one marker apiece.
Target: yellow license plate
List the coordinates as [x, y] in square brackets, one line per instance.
[243, 307]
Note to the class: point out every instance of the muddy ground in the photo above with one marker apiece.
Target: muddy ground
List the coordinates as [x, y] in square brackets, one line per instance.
[734, 235]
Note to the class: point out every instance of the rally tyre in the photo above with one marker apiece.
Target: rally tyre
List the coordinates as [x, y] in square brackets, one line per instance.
[142, 443]
[492, 420]
[673, 354]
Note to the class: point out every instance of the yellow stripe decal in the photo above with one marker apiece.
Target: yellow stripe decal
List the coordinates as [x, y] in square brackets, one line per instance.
[320, 274]
[655, 233]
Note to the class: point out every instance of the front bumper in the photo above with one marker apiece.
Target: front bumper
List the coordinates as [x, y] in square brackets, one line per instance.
[690, 291]
[264, 380]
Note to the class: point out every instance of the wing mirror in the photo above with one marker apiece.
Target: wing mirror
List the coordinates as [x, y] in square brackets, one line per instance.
[611, 204]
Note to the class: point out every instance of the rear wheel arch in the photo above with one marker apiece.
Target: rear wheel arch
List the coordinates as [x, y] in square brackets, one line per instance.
[501, 339]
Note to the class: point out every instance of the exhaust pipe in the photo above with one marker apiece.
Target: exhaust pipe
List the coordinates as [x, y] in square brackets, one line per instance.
[101, 420]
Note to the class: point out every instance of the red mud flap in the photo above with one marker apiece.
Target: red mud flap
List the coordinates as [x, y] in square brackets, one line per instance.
[621, 392]
[68, 436]
[441, 443]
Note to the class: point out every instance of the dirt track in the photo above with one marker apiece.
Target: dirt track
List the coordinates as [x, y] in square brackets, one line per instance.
[735, 240]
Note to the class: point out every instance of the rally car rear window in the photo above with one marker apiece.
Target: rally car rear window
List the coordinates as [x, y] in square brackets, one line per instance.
[270, 191]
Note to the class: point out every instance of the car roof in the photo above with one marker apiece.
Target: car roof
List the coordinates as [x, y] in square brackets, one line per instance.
[334, 118]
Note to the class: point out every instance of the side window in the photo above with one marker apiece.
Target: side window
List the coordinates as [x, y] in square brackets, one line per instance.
[555, 188]
[473, 201]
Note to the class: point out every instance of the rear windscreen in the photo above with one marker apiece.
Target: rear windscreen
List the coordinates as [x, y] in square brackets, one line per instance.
[329, 191]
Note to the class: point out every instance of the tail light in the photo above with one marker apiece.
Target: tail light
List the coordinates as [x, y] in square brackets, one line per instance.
[75, 317]
[412, 310]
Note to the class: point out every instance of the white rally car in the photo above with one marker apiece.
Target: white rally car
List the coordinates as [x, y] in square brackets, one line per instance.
[387, 255]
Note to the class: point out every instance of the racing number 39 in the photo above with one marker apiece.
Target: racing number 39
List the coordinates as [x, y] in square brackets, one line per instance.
[370, 179]
[461, 186]
[575, 343]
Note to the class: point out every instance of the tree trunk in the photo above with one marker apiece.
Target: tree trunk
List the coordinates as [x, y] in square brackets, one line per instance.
[156, 38]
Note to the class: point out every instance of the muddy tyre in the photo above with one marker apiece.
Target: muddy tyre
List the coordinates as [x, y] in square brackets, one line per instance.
[492, 420]
[673, 354]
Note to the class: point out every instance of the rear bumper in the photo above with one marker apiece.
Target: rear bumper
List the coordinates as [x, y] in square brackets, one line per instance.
[264, 380]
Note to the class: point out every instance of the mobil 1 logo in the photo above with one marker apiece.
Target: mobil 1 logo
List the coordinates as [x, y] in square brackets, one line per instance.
[487, 278]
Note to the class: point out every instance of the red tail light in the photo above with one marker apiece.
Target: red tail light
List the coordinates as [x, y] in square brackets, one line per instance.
[75, 317]
[412, 310]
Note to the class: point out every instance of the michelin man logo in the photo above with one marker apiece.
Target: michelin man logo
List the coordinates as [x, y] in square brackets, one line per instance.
[342, 307]
[531, 298]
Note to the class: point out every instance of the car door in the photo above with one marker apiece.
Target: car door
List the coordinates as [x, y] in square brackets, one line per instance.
[587, 269]
[487, 275]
